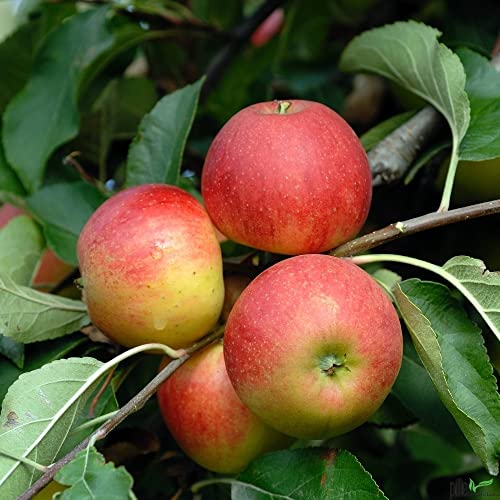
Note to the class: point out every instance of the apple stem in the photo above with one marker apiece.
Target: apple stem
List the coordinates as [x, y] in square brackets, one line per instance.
[331, 362]
[283, 107]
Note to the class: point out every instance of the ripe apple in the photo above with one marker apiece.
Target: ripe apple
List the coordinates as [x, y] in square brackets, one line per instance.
[208, 421]
[151, 267]
[268, 28]
[288, 177]
[313, 346]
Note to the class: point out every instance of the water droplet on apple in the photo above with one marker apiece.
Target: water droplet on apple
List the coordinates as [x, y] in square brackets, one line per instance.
[160, 323]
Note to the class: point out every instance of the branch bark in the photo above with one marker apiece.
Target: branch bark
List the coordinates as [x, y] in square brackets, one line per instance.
[240, 34]
[135, 404]
[393, 155]
[412, 226]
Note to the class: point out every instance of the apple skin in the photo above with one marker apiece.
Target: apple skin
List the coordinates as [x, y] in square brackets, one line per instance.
[208, 421]
[270, 27]
[151, 267]
[292, 183]
[288, 328]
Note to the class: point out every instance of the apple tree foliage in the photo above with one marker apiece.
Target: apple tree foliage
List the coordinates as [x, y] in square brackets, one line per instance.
[97, 97]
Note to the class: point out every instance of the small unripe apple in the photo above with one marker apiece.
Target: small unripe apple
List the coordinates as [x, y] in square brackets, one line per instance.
[313, 346]
[151, 267]
[268, 28]
[288, 177]
[208, 421]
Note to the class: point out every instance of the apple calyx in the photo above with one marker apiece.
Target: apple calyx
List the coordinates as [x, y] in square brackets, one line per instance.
[330, 363]
[283, 107]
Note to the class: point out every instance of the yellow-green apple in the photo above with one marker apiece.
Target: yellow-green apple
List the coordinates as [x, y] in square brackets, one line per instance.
[289, 177]
[151, 267]
[51, 270]
[477, 181]
[208, 421]
[313, 346]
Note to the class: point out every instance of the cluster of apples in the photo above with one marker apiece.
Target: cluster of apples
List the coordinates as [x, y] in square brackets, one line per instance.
[312, 346]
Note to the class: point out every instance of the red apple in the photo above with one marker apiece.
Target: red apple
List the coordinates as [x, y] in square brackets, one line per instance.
[268, 28]
[51, 271]
[152, 267]
[289, 177]
[208, 421]
[313, 346]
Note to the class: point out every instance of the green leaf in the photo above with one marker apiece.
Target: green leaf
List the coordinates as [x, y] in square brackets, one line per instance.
[318, 473]
[90, 477]
[10, 185]
[415, 390]
[35, 356]
[24, 43]
[387, 280]
[21, 246]
[30, 316]
[155, 155]
[12, 350]
[37, 414]
[483, 287]
[452, 350]
[482, 140]
[52, 91]
[234, 91]
[172, 11]
[371, 138]
[115, 114]
[223, 13]
[63, 210]
[409, 54]
[431, 447]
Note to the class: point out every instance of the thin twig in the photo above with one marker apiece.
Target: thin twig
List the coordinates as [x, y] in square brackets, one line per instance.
[240, 34]
[391, 158]
[412, 226]
[135, 404]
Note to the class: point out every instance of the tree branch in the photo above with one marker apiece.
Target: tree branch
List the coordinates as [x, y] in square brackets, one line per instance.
[240, 35]
[412, 226]
[393, 155]
[135, 404]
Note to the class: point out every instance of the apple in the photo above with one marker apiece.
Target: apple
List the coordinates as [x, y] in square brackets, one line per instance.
[288, 177]
[313, 346]
[51, 269]
[151, 267]
[270, 27]
[208, 421]
[477, 181]
[50, 490]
